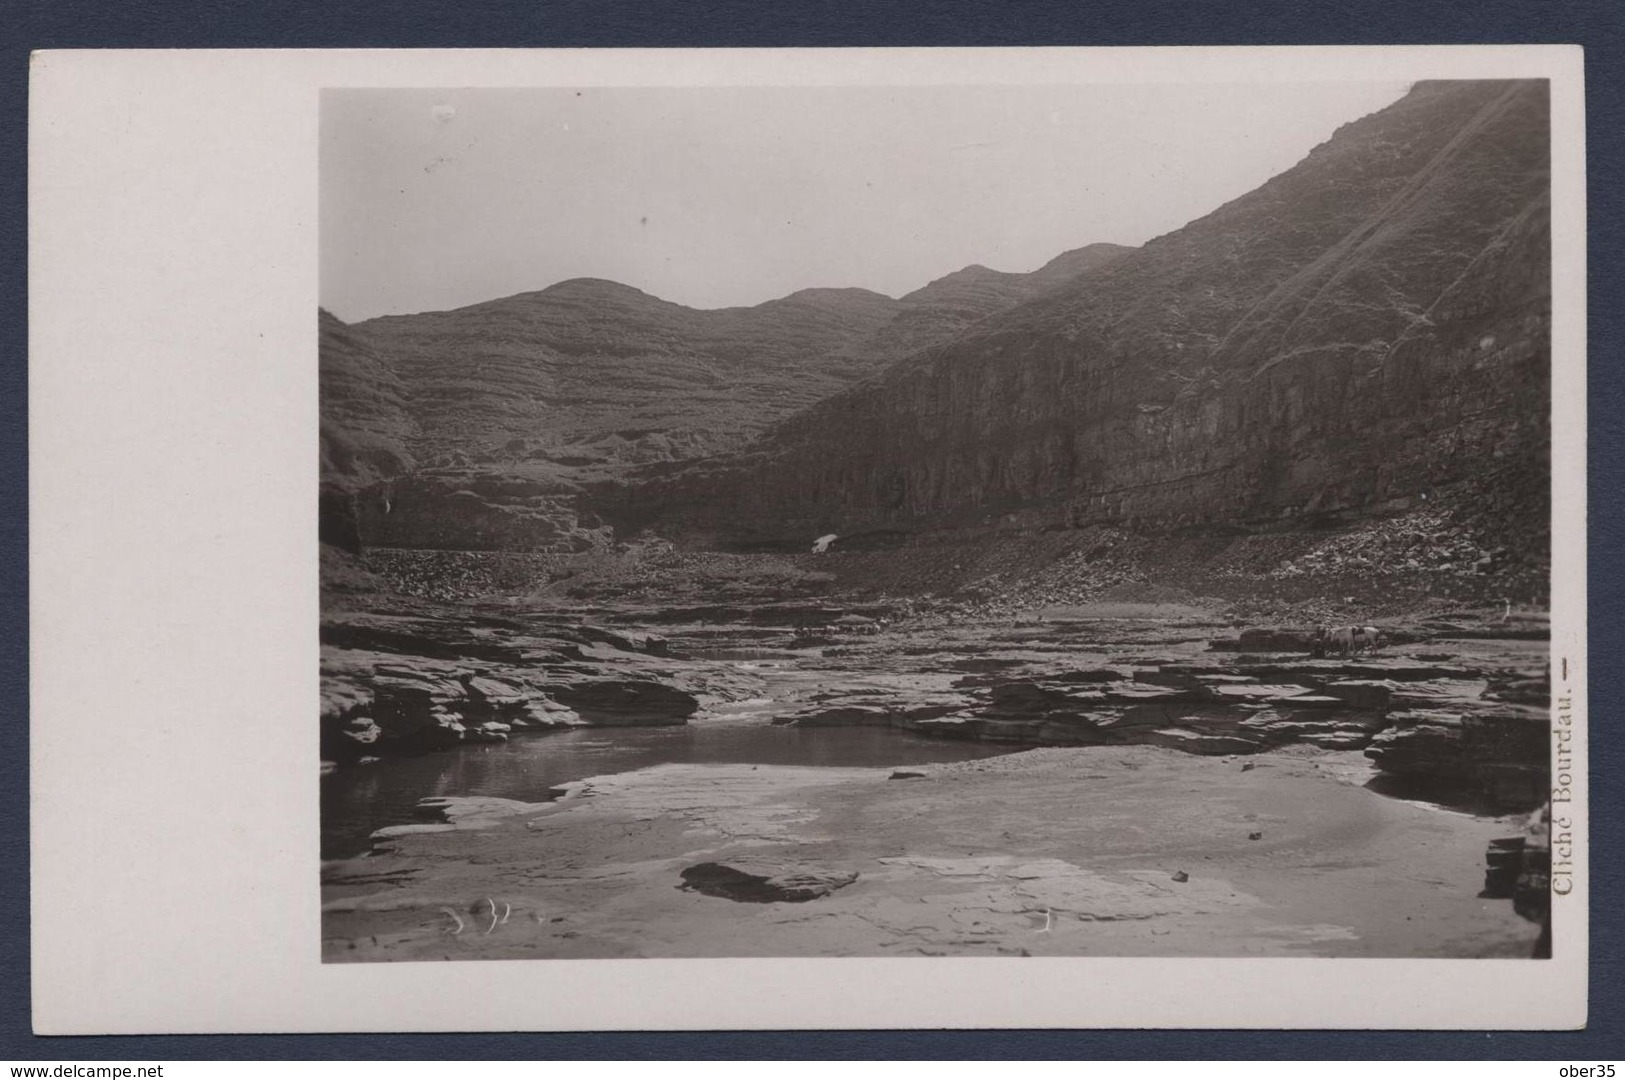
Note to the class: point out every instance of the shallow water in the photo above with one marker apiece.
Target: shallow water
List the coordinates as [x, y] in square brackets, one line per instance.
[360, 799]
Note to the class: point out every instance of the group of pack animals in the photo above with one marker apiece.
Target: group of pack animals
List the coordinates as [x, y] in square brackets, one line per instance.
[1346, 640]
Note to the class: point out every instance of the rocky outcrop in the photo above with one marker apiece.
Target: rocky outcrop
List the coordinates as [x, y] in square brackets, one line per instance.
[624, 702]
[1519, 868]
[381, 704]
[1484, 739]
[394, 684]
[1443, 725]
[1495, 752]
[1362, 330]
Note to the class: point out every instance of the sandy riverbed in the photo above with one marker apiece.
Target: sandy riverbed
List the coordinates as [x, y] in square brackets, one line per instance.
[1047, 852]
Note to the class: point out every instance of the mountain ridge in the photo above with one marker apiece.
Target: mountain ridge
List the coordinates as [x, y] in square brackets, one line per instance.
[1275, 359]
[1362, 333]
[490, 418]
[528, 347]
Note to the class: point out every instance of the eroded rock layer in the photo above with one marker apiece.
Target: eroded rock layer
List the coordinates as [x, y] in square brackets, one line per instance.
[1367, 327]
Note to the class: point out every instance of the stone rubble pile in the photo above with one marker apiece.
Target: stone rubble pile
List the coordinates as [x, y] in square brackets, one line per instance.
[451, 576]
[1426, 542]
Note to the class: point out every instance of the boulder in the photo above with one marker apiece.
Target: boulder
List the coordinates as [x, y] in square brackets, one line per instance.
[764, 881]
[361, 730]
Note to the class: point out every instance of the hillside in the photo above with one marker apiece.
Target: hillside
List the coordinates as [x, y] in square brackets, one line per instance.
[477, 427]
[365, 422]
[1363, 332]
[590, 370]
[944, 308]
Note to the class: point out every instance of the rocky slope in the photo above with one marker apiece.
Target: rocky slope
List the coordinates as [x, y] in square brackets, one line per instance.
[941, 310]
[365, 422]
[591, 371]
[471, 428]
[365, 427]
[1364, 329]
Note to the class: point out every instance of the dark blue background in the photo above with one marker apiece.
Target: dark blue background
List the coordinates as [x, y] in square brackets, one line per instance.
[1595, 24]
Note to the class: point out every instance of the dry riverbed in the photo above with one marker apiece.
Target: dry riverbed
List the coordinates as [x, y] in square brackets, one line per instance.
[1107, 851]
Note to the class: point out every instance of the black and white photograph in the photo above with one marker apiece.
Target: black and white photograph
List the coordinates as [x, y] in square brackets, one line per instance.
[777, 539]
[938, 521]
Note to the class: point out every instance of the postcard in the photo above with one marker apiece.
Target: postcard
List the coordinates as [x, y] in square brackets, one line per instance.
[530, 540]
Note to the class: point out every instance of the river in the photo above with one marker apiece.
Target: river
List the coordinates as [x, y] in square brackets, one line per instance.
[362, 798]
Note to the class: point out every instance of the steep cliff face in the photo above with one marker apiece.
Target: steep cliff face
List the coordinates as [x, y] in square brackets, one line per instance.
[365, 423]
[365, 427]
[1363, 329]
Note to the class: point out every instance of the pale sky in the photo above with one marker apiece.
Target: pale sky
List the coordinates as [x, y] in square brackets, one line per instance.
[433, 199]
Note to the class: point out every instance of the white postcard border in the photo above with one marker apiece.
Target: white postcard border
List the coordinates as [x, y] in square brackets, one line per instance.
[172, 412]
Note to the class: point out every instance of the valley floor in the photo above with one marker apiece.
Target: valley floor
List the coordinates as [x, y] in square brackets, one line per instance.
[1098, 526]
[1194, 793]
